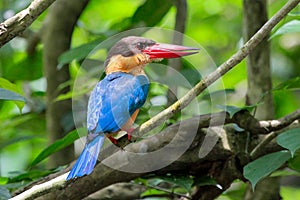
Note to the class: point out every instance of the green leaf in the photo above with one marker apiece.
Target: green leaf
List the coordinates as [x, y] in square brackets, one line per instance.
[78, 53]
[153, 182]
[6, 84]
[72, 94]
[234, 193]
[263, 166]
[204, 180]
[290, 84]
[284, 173]
[141, 181]
[185, 182]
[3, 180]
[294, 14]
[150, 8]
[141, 16]
[20, 66]
[15, 140]
[290, 140]
[9, 91]
[294, 163]
[216, 94]
[231, 110]
[290, 27]
[289, 193]
[30, 175]
[151, 192]
[57, 145]
[10, 95]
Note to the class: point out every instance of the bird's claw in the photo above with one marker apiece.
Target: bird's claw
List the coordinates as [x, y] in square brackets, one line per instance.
[113, 140]
[129, 134]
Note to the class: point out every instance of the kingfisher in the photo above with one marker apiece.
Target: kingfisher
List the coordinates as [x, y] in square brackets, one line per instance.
[115, 101]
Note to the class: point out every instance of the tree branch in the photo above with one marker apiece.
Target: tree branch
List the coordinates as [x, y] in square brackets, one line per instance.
[274, 125]
[259, 148]
[15, 25]
[103, 176]
[159, 140]
[119, 191]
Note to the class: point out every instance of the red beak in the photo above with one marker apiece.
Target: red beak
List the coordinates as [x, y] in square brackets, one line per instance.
[169, 51]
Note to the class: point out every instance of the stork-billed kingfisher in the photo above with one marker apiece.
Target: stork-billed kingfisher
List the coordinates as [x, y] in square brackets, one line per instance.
[115, 101]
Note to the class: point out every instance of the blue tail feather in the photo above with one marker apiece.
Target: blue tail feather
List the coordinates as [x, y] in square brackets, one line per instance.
[88, 158]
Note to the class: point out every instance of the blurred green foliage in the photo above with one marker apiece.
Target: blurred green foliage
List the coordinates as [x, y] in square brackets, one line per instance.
[215, 25]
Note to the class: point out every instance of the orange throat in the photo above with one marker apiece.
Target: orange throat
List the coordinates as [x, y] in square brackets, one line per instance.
[134, 64]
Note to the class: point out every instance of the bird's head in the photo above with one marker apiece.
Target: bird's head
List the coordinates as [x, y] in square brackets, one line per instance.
[131, 52]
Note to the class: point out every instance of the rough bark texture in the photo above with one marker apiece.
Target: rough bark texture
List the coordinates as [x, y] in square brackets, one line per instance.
[15, 25]
[223, 162]
[259, 83]
[126, 191]
[57, 36]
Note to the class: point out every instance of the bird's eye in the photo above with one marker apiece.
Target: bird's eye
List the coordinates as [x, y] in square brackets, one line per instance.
[140, 45]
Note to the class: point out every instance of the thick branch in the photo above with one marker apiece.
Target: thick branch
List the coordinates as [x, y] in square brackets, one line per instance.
[173, 138]
[274, 125]
[119, 191]
[160, 140]
[15, 25]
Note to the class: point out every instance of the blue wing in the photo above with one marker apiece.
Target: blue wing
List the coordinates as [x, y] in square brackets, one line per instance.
[114, 100]
[111, 104]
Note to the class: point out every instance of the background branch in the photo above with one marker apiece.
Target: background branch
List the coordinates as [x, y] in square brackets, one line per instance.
[15, 25]
[274, 125]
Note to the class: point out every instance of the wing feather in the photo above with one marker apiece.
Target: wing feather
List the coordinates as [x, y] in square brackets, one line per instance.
[114, 100]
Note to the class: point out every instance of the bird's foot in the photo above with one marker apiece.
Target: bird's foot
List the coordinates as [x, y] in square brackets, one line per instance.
[113, 140]
[129, 131]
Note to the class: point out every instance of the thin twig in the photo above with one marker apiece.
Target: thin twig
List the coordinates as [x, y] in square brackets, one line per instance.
[274, 125]
[274, 128]
[258, 148]
[268, 138]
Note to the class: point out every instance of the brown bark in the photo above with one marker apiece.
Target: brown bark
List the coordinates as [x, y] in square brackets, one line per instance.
[57, 34]
[223, 162]
[124, 191]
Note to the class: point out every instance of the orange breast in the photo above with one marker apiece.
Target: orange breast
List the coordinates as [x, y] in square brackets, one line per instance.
[127, 126]
[129, 123]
